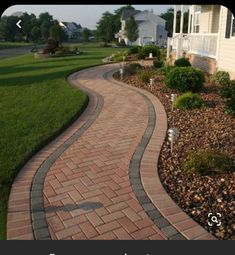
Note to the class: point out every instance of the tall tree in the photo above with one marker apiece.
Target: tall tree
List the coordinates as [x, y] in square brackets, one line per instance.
[57, 32]
[85, 34]
[131, 29]
[35, 34]
[105, 27]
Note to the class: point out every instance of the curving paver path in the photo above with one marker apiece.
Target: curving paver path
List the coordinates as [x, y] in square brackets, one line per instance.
[99, 180]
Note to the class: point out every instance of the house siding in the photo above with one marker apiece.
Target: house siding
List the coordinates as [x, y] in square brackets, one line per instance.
[226, 47]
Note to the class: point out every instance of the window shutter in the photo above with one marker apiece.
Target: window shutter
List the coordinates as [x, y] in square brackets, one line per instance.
[228, 24]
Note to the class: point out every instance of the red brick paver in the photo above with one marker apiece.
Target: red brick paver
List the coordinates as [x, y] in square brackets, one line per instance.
[87, 191]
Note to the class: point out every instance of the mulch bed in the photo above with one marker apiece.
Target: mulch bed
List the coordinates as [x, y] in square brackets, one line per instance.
[205, 128]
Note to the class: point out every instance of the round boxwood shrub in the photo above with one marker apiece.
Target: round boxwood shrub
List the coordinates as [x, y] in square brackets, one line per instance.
[182, 62]
[188, 101]
[158, 63]
[145, 75]
[150, 49]
[207, 162]
[220, 78]
[185, 79]
[132, 68]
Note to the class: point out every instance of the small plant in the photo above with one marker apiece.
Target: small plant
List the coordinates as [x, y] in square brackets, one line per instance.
[220, 78]
[227, 92]
[145, 75]
[150, 49]
[188, 101]
[158, 63]
[118, 57]
[132, 68]
[165, 69]
[207, 162]
[134, 49]
[182, 62]
[185, 79]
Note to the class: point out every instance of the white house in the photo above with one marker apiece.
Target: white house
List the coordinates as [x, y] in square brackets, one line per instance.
[210, 40]
[73, 29]
[151, 28]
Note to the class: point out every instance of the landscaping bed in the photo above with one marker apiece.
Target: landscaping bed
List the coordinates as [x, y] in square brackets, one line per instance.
[205, 128]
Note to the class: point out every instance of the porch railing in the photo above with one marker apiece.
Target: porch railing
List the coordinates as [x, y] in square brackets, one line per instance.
[201, 44]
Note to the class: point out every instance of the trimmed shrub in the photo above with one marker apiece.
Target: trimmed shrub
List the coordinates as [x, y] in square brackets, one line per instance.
[220, 78]
[185, 79]
[182, 62]
[145, 75]
[158, 63]
[227, 92]
[207, 162]
[188, 101]
[132, 68]
[134, 49]
[150, 49]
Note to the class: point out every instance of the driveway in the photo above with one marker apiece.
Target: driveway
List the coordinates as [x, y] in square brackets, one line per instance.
[13, 52]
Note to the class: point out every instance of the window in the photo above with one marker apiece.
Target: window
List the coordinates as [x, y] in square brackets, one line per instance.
[233, 26]
[196, 22]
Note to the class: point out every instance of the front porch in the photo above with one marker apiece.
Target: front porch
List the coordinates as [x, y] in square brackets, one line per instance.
[202, 36]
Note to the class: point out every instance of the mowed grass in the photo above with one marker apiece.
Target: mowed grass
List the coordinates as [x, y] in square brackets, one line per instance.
[6, 45]
[36, 103]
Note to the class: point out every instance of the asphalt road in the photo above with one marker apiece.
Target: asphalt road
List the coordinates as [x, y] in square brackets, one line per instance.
[13, 52]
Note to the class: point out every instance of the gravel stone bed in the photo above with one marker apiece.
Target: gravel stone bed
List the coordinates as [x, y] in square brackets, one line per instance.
[205, 128]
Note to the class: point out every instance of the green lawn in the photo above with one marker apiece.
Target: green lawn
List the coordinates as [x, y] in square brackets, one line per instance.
[6, 45]
[36, 103]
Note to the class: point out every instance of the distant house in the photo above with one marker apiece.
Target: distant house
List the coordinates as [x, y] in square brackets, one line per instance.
[73, 29]
[210, 41]
[151, 28]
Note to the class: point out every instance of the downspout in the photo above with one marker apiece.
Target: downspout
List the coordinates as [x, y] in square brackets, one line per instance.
[218, 39]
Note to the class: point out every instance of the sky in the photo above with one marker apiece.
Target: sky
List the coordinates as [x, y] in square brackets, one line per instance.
[86, 15]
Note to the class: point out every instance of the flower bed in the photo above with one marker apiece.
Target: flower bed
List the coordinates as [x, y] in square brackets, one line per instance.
[205, 128]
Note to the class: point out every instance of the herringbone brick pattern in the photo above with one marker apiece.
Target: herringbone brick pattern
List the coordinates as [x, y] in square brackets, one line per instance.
[87, 192]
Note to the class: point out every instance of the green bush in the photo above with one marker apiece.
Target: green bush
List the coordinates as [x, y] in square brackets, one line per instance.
[132, 68]
[220, 78]
[165, 69]
[134, 49]
[185, 79]
[158, 63]
[227, 92]
[182, 62]
[145, 75]
[150, 49]
[188, 101]
[118, 57]
[141, 55]
[207, 162]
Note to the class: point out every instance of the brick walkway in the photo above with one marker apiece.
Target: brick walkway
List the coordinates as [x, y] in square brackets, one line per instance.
[98, 180]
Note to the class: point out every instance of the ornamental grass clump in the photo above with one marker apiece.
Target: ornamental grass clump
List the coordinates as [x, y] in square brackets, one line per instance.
[207, 162]
[145, 75]
[188, 101]
[220, 78]
[185, 79]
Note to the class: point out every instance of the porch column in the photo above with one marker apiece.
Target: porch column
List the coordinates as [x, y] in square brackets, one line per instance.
[174, 23]
[193, 12]
[181, 19]
[189, 20]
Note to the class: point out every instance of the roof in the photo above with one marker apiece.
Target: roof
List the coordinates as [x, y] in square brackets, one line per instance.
[126, 14]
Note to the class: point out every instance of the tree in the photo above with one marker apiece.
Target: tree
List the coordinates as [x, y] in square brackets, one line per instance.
[57, 33]
[85, 34]
[27, 23]
[45, 20]
[35, 34]
[105, 27]
[131, 29]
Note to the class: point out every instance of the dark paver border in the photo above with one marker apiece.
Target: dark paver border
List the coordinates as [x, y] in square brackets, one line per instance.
[134, 172]
[38, 217]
